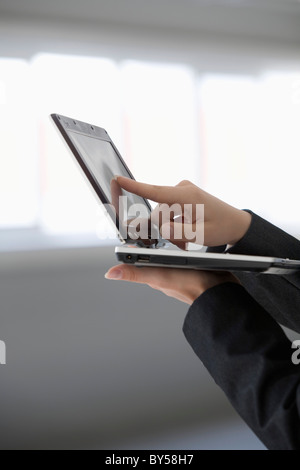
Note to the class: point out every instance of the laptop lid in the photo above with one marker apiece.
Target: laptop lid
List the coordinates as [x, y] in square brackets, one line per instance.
[100, 162]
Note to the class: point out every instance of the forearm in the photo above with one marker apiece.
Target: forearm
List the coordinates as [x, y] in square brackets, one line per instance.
[265, 239]
[249, 357]
[260, 238]
[279, 295]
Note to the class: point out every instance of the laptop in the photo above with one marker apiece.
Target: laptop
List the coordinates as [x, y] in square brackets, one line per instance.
[100, 161]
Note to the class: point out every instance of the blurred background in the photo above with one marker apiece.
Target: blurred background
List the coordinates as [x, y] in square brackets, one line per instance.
[206, 90]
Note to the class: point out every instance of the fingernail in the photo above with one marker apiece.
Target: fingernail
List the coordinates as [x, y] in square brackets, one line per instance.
[120, 176]
[114, 274]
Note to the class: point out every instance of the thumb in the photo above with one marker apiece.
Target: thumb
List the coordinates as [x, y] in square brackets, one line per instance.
[142, 275]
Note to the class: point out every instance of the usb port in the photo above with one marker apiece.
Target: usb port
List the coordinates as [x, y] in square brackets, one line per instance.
[143, 258]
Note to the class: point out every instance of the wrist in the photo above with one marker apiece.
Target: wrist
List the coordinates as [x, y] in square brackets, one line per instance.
[209, 279]
[241, 223]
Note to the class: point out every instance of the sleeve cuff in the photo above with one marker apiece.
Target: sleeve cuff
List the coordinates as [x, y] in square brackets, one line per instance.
[265, 239]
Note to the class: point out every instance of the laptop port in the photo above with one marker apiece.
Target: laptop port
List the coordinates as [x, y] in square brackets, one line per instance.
[143, 258]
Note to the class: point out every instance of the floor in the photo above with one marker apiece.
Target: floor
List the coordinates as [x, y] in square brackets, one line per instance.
[233, 435]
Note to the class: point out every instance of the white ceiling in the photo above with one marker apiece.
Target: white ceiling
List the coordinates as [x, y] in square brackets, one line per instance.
[135, 10]
[257, 19]
[95, 8]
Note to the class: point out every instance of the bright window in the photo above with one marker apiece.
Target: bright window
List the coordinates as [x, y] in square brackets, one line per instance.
[237, 136]
[160, 118]
[251, 143]
[19, 168]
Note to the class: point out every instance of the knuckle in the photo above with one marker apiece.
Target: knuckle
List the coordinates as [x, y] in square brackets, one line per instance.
[184, 183]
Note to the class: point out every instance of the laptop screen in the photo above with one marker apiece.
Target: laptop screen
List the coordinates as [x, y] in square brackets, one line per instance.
[104, 164]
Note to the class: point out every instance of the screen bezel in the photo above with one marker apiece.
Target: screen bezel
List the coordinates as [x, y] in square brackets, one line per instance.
[65, 124]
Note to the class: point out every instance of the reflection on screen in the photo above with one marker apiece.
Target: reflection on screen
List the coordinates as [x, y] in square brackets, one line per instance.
[103, 162]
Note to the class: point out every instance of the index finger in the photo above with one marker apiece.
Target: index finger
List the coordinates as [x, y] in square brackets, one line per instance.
[162, 194]
[116, 192]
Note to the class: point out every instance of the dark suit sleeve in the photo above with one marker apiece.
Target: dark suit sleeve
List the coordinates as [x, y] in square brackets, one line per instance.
[279, 295]
[249, 357]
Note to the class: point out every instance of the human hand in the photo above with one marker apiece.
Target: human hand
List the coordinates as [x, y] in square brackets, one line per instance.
[182, 284]
[223, 223]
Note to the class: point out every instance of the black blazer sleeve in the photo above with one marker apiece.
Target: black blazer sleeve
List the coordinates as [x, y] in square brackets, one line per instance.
[249, 357]
[234, 331]
[279, 295]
